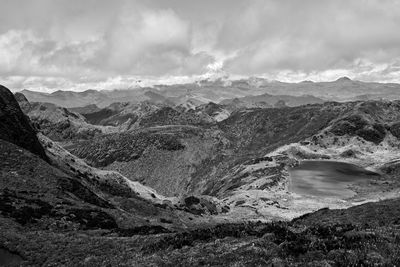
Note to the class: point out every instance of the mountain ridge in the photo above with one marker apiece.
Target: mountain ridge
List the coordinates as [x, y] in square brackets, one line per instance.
[342, 89]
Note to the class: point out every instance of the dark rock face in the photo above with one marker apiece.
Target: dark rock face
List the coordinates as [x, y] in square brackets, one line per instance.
[20, 97]
[23, 102]
[15, 126]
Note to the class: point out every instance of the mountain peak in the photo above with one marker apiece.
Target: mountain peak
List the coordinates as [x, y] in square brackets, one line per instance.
[344, 79]
[306, 81]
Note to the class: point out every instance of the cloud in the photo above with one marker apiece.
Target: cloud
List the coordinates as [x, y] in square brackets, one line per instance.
[24, 53]
[313, 35]
[124, 41]
[147, 41]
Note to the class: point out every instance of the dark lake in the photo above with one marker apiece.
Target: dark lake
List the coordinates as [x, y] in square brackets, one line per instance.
[327, 178]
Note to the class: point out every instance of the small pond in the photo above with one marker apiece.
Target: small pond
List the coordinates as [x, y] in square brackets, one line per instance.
[327, 178]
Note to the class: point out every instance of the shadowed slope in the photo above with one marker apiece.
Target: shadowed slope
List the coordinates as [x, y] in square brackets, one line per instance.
[15, 126]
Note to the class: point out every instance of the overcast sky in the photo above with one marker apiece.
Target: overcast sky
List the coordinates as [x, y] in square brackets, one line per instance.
[76, 44]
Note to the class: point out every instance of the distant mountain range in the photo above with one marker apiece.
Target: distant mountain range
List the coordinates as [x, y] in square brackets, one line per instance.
[250, 91]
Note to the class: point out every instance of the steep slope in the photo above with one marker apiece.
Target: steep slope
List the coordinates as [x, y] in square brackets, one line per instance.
[23, 102]
[31, 189]
[163, 157]
[256, 132]
[15, 126]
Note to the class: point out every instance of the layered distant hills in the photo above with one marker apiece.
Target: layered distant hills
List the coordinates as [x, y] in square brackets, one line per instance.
[254, 92]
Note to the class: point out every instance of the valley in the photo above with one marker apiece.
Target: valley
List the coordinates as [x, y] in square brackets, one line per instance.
[245, 160]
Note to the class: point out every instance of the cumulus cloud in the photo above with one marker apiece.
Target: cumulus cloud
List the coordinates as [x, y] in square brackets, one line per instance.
[315, 35]
[64, 44]
[147, 42]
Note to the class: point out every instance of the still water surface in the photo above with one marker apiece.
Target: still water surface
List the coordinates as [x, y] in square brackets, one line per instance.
[327, 178]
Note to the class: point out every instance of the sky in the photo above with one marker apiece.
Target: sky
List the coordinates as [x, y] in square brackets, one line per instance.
[49, 45]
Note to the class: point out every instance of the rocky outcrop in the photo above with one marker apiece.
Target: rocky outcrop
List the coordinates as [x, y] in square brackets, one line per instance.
[15, 127]
[23, 102]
